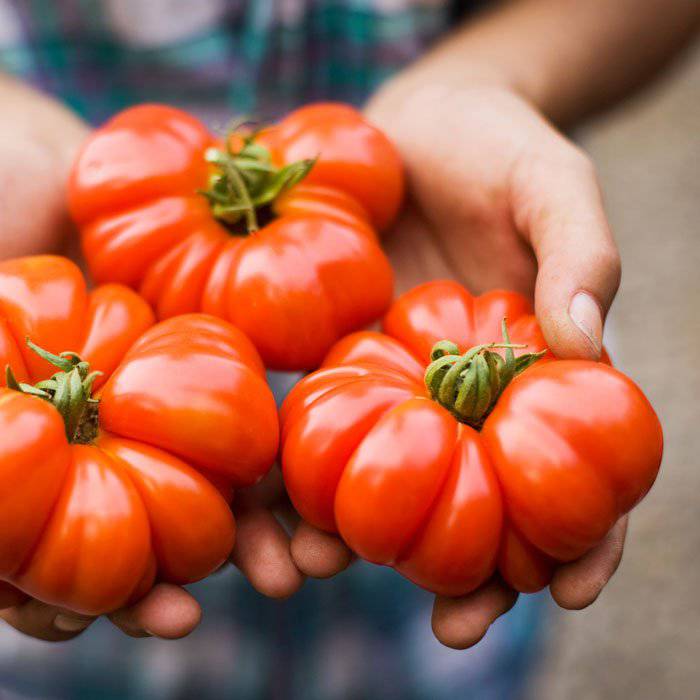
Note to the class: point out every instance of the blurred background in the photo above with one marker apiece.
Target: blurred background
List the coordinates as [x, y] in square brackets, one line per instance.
[641, 639]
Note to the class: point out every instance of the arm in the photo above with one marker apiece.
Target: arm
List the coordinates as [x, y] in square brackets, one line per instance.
[568, 58]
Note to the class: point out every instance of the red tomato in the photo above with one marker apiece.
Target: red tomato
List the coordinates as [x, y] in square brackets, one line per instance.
[101, 499]
[436, 461]
[170, 211]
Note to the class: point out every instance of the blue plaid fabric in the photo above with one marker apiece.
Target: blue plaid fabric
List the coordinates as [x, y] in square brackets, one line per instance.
[212, 56]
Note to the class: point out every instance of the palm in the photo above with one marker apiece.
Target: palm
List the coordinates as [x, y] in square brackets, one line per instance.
[465, 226]
[422, 249]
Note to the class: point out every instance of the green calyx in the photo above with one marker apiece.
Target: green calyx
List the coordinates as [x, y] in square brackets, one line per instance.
[469, 385]
[246, 181]
[69, 391]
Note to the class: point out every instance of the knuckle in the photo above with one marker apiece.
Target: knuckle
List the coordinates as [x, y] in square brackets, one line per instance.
[578, 594]
[608, 260]
[458, 638]
[579, 161]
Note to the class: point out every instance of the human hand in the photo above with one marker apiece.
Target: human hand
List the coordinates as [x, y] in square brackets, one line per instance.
[498, 198]
[38, 142]
[261, 552]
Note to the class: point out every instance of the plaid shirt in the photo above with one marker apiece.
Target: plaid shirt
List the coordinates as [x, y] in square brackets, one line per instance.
[212, 56]
[366, 633]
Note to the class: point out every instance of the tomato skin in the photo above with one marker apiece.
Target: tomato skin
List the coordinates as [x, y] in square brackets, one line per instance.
[134, 194]
[316, 266]
[354, 156]
[142, 154]
[437, 310]
[33, 472]
[185, 417]
[367, 453]
[187, 392]
[440, 557]
[568, 468]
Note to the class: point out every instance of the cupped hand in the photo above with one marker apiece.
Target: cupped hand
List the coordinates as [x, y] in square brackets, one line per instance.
[497, 198]
[38, 142]
[262, 553]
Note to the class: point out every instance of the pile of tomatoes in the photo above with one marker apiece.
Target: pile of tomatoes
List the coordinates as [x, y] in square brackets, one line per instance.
[450, 445]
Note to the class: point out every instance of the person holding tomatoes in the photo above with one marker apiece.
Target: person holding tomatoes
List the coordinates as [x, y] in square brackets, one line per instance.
[496, 195]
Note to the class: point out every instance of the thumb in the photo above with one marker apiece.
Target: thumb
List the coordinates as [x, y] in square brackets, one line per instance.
[578, 262]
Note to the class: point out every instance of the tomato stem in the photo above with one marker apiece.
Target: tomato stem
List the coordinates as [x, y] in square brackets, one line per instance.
[245, 180]
[469, 385]
[69, 390]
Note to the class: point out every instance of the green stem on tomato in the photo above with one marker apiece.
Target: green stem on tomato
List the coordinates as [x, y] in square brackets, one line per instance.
[469, 385]
[246, 181]
[69, 390]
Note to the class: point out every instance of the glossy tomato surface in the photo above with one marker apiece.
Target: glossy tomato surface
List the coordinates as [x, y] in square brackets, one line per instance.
[312, 274]
[569, 447]
[185, 416]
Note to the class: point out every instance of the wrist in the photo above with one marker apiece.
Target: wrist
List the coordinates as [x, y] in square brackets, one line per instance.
[422, 118]
[424, 84]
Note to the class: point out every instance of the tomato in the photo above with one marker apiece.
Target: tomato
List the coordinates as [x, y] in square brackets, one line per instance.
[112, 481]
[273, 230]
[447, 449]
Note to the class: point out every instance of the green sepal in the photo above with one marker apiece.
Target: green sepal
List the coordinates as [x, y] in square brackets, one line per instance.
[247, 181]
[69, 391]
[442, 348]
[525, 361]
[470, 384]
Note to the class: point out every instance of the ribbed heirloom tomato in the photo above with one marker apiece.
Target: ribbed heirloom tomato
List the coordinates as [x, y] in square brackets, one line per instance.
[111, 481]
[273, 230]
[433, 450]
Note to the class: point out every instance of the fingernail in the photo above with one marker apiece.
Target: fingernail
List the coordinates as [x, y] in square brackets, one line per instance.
[70, 624]
[585, 313]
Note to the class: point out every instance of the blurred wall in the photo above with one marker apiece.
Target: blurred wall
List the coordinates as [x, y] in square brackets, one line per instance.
[642, 637]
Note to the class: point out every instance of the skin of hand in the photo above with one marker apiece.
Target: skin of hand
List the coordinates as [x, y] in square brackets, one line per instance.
[498, 198]
[38, 139]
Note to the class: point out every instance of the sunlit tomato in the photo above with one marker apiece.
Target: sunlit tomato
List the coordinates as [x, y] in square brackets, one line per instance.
[274, 231]
[449, 463]
[112, 481]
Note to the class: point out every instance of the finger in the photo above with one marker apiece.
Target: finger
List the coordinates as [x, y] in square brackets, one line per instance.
[167, 611]
[577, 585]
[559, 208]
[263, 554]
[460, 623]
[47, 622]
[317, 553]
